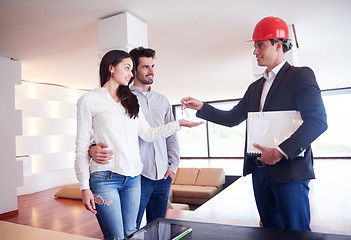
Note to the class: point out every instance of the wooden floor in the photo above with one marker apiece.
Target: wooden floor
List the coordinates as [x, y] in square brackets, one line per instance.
[43, 210]
[329, 198]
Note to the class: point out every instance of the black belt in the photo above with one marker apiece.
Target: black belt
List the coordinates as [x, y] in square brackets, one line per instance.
[259, 163]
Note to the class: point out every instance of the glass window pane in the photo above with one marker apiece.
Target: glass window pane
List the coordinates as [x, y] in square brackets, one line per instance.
[335, 142]
[192, 141]
[226, 141]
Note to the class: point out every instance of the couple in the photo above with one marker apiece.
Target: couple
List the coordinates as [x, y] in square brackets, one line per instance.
[111, 115]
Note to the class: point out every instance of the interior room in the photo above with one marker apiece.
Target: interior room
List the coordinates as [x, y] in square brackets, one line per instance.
[49, 57]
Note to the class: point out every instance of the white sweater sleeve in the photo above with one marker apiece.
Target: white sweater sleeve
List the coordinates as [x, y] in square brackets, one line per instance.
[83, 141]
[149, 134]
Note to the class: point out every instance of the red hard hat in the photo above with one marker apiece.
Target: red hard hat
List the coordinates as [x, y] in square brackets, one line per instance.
[270, 28]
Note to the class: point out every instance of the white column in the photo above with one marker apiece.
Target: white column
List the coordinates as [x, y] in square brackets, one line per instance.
[11, 125]
[123, 31]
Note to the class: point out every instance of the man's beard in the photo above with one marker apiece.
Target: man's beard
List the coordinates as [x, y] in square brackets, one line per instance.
[148, 82]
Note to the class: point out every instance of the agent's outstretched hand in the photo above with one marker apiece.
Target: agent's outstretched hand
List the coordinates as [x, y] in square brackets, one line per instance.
[191, 103]
[189, 124]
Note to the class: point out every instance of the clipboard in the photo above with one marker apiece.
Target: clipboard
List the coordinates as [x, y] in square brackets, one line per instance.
[270, 129]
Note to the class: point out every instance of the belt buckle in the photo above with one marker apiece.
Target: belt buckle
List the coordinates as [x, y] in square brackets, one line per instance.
[259, 163]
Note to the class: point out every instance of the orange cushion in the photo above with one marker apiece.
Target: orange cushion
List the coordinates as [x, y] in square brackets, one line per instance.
[213, 177]
[173, 180]
[194, 191]
[70, 191]
[186, 176]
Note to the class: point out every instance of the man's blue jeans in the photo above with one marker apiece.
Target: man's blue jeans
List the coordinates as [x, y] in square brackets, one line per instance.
[117, 200]
[154, 197]
[281, 205]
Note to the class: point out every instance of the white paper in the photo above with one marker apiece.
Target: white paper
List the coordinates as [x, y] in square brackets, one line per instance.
[269, 129]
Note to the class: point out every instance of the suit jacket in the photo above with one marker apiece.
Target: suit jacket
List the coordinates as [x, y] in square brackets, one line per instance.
[294, 88]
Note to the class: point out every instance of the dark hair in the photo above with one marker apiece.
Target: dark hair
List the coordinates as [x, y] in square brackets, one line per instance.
[139, 52]
[287, 45]
[128, 100]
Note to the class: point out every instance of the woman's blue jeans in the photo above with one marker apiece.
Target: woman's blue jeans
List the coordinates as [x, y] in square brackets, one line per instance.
[117, 200]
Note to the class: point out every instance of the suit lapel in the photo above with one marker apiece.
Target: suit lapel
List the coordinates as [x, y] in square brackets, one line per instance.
[278, 79]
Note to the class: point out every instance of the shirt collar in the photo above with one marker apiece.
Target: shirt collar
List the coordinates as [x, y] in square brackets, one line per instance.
[274, 71]
[138, 89]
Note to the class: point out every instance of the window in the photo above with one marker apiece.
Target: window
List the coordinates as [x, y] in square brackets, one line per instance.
[192, 141]
[226, 141]
[335, 142]
[211, 140]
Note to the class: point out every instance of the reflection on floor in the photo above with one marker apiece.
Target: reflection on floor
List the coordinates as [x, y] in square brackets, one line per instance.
[329, 199]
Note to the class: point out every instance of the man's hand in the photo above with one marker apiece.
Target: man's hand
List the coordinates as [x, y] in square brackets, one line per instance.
[269, 156]
[191, 103]
[99, 154]
[169, 173]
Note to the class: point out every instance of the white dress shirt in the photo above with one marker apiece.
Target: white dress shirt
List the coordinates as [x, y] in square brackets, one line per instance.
[269, 78]
[163, 154]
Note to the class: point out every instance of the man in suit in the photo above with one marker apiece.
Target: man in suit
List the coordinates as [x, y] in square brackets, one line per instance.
[281, 175]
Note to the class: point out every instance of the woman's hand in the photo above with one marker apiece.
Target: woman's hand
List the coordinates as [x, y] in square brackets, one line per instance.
[88, 200]
[189, 124]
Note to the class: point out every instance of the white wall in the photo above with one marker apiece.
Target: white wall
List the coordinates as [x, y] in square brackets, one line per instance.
[46, 147]
[10, 170]
[48, 140]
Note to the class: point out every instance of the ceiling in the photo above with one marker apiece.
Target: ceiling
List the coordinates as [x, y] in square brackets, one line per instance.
[200, 45]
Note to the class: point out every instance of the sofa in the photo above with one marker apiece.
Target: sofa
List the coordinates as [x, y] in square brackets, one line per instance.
[195, 185]
[190, 186]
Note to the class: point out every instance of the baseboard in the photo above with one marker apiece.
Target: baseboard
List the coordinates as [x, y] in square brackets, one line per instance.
[8, 214]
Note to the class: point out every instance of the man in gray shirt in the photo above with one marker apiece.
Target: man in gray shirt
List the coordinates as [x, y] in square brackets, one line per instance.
[160, 158]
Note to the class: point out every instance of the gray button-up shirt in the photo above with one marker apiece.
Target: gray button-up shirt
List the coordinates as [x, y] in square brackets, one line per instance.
[163, 154]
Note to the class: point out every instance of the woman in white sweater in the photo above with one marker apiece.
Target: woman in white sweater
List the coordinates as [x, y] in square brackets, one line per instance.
[111, 114]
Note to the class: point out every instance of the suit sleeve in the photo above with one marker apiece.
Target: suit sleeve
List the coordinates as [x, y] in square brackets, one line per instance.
[308, 100]
[229, 118]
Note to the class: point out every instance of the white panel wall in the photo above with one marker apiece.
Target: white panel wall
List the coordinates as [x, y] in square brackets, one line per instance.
[48, 140]
[46, 108]
[10, 171]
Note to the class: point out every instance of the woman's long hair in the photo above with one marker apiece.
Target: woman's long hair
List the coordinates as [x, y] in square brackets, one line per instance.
[128, 100]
